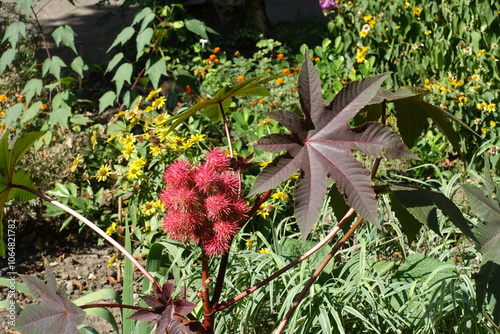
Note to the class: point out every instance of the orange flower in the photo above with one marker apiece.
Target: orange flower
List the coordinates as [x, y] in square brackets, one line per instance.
[216, 50]
[286, 71]
[296, 70]
[44, 106]
[280, 81]
[188, 89]
[212, 57]
[237, 53]
[207, 67]
[280, 56]
[252, 103]
[268, 70]
[240, 78]
[262, 101]
[293, 89]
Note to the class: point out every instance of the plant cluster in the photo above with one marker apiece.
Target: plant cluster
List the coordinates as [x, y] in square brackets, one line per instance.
[248, 179]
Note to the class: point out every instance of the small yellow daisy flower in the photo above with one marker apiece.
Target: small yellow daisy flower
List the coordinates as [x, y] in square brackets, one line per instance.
[103, 173]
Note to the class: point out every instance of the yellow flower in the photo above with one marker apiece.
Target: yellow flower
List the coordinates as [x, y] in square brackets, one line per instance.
[264, 251]
[428, 32]
[364, 31]
[264, 209]
[156, 150]
[159, 102]
[462, 101]
[361, 54]
[3, 98]
[265, 121]
[416, 11]
[160, 119]
[159, 205]
[491, 107]
[152, 94]
[475, 77]
[197, 138]
[344, 80]
[93, 139]
[111, 229]
[134, 173]
[264, 163]
[127, 140]
[493, 123]
[481, 106]
[481, 52]
[76, 162]
[372, 23]
[148, 208]
[367, 18]
[280, 196]
[138, 163]
[128, 151]
[483, 130]
[103, 173]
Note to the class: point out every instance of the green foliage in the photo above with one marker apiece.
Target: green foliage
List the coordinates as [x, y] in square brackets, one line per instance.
[379, 281]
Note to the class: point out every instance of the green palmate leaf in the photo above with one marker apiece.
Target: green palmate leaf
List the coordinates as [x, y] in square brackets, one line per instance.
[320, 145]
[114, 61]
[13, 114]
[7, 59]
[78, 65]
[54, 314]
[65, 35]
[106, 100]
[142, 15]
[143, 39]
[422, 204]
[250, 87]
[122, 37]
[155, 69]
[13, 31]
[32, 87]
[197, 27]
[53, 66]
[122, 75]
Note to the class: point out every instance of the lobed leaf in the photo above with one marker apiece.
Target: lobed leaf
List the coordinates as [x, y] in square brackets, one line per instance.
[320, 145]
[65, 35]
[54, 314]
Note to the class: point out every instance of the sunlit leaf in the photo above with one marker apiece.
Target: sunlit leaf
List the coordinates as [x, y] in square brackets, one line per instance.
[54, 314]
[320, 145]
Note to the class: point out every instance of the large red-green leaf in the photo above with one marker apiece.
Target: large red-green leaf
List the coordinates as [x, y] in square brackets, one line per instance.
[54, 314]
[169, 314]
[320, 145]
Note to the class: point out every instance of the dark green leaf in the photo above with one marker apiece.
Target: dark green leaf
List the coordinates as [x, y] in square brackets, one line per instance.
[423, 205]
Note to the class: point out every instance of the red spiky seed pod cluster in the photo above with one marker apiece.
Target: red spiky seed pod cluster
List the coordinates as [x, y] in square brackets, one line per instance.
[203, 204]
